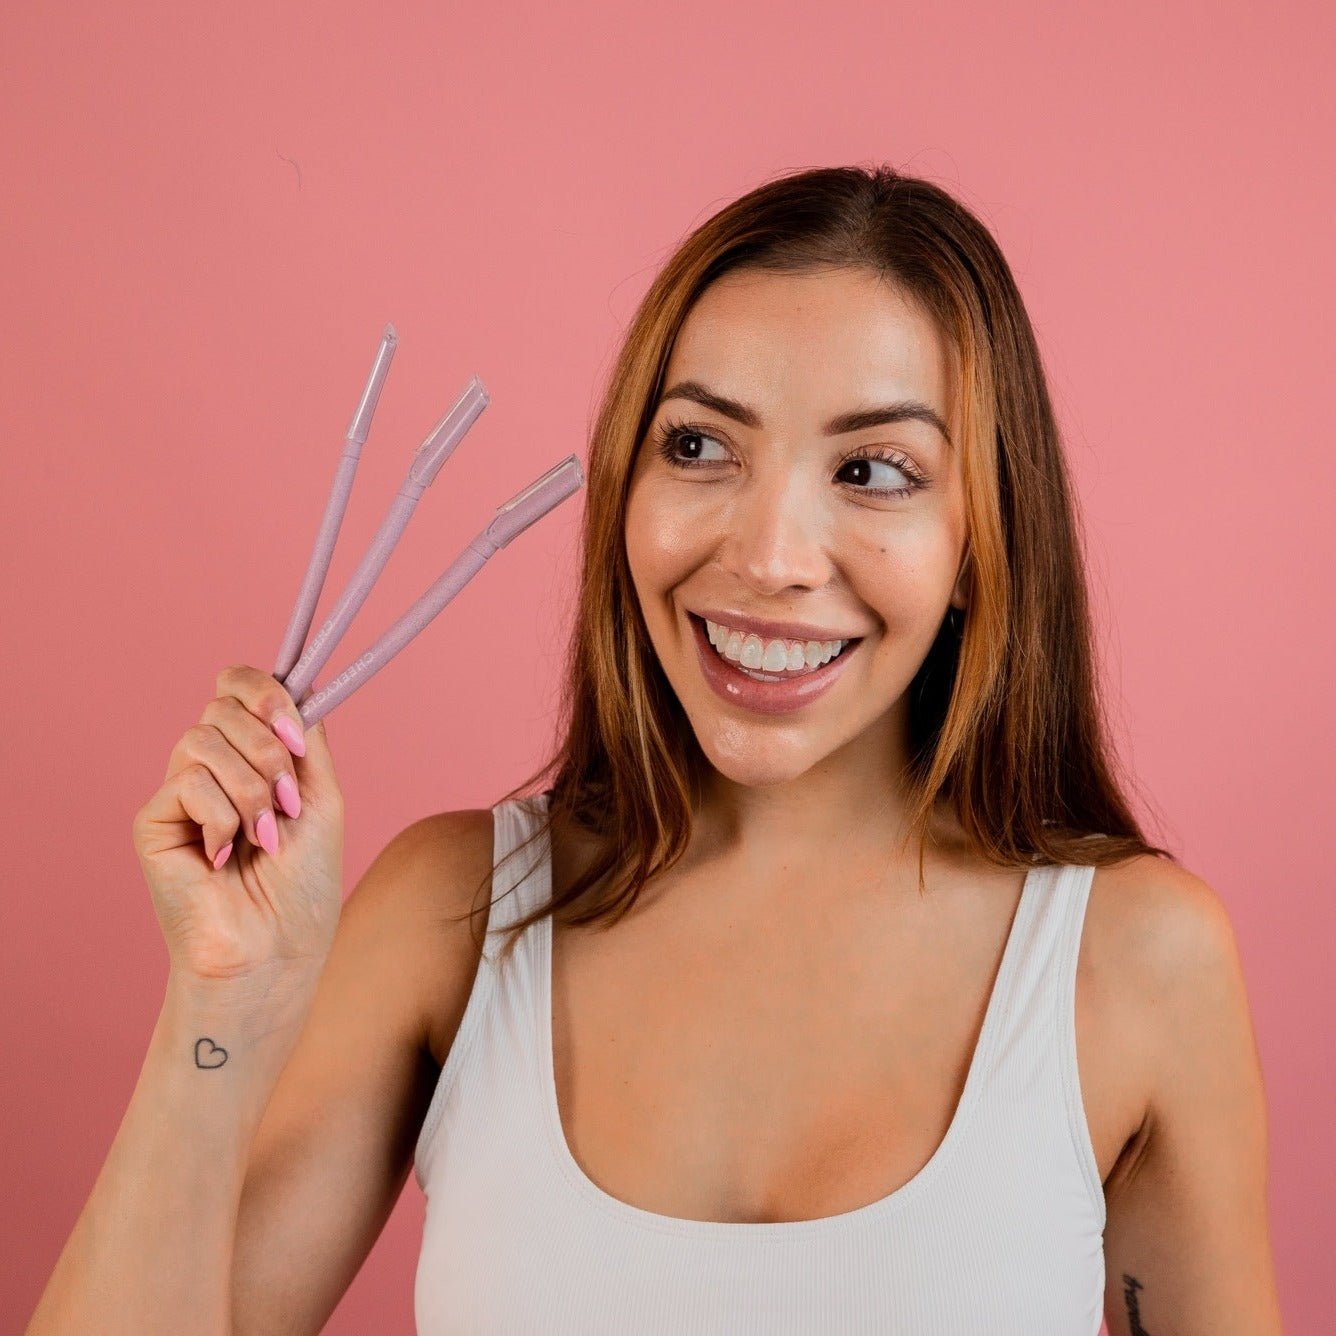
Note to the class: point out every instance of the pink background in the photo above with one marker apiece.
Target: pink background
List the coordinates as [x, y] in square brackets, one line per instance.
[209, 218]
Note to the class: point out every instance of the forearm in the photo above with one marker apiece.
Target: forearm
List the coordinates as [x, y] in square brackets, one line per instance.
[152, 1249]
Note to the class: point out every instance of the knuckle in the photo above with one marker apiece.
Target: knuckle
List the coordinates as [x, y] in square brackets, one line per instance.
[196, 775]
[273, 757]
[256, 795]
[260, 693]
[201, 737]
[216, 709]
[223, 711]
[273, 699]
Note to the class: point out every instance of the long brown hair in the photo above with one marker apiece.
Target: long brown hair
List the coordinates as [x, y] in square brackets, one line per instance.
[1006, 720]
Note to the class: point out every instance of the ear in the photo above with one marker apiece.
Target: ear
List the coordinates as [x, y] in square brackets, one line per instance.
[960, 591]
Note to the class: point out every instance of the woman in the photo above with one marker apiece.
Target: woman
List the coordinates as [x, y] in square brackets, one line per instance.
[834, 986]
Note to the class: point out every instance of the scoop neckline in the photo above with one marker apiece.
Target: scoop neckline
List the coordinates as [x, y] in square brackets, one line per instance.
[897, 1199]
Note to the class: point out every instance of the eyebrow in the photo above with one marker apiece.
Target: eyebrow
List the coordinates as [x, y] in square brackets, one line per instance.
[906, 410]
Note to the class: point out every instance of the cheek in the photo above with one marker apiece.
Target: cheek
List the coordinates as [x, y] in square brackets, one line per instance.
[663, 542]
[906, 575]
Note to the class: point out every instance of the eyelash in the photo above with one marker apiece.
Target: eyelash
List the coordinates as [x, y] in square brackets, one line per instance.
[667, 436]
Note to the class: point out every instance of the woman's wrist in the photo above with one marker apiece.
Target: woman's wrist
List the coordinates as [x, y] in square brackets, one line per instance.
[269, 998]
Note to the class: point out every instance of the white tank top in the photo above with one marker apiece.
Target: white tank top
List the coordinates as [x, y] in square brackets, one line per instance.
[1001, 1231]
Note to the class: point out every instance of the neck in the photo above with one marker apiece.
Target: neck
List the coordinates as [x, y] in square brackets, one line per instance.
[850, 806]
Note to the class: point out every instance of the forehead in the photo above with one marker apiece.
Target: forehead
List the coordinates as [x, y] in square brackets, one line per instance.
[811, 344]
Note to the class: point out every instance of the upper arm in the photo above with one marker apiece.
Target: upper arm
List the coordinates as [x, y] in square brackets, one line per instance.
[335, 1144]
[1186, 1243]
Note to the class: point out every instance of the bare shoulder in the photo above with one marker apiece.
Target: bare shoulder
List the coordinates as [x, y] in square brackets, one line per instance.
[444, 851]
[1160, 978]
[1162, 927]
[437, 873]
[1187, 1241]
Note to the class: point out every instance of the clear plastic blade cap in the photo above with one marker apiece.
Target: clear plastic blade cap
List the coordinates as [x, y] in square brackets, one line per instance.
[530, 505]
[360, 427]
[447, 433]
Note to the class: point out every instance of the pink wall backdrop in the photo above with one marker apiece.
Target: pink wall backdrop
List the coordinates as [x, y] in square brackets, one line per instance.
[208, 218]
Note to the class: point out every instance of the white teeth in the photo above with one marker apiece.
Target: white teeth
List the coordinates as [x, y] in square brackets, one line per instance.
[771, 656]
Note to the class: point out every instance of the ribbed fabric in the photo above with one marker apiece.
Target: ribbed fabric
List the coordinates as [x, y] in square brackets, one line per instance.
[1000, 1232]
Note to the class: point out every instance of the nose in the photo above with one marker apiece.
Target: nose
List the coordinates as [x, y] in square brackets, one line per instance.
[775, 537]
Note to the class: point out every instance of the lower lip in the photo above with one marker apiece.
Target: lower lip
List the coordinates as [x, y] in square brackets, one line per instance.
[734, 686]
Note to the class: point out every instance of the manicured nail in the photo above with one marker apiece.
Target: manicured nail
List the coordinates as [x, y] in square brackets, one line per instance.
[289, 734]
[266, 829]
[288, 797]
[221, 856]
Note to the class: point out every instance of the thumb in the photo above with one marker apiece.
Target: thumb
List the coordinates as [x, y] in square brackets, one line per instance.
[315, 770]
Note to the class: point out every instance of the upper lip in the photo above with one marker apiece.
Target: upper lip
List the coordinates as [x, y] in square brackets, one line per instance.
[769, 630]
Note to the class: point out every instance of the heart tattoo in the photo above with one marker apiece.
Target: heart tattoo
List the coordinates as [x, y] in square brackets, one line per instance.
[212, 1056]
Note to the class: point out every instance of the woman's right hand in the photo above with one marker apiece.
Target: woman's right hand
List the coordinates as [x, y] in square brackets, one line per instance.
[233, 911]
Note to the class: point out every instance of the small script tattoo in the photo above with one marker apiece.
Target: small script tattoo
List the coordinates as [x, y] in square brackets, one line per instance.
[1130, 1287]
[208, 1054]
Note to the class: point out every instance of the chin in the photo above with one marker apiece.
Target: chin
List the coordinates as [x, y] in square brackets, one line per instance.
[757, 766]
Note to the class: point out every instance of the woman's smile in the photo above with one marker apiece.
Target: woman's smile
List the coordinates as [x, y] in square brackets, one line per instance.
[762, 691]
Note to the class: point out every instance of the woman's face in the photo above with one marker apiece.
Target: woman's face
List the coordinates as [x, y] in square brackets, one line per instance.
[768, 512]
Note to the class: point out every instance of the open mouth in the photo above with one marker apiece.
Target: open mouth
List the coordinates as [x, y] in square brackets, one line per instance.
[798, 658]
[770, 691]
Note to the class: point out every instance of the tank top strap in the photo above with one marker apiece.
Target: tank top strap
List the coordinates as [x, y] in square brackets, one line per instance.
[1034, 1065]
[522, 873]
[497, 1028]
[1047, 931]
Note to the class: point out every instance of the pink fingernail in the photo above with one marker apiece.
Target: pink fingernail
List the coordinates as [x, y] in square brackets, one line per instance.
[288, 797]
[221, 856]
[266, 831]
[289, 734]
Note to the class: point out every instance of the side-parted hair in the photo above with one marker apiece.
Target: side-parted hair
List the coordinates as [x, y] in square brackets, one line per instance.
[1006, 720]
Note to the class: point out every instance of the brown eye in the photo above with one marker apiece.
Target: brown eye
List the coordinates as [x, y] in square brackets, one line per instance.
[674, 438]
[866, 467]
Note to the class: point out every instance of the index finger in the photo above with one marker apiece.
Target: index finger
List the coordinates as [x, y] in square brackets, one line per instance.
[268, 699]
